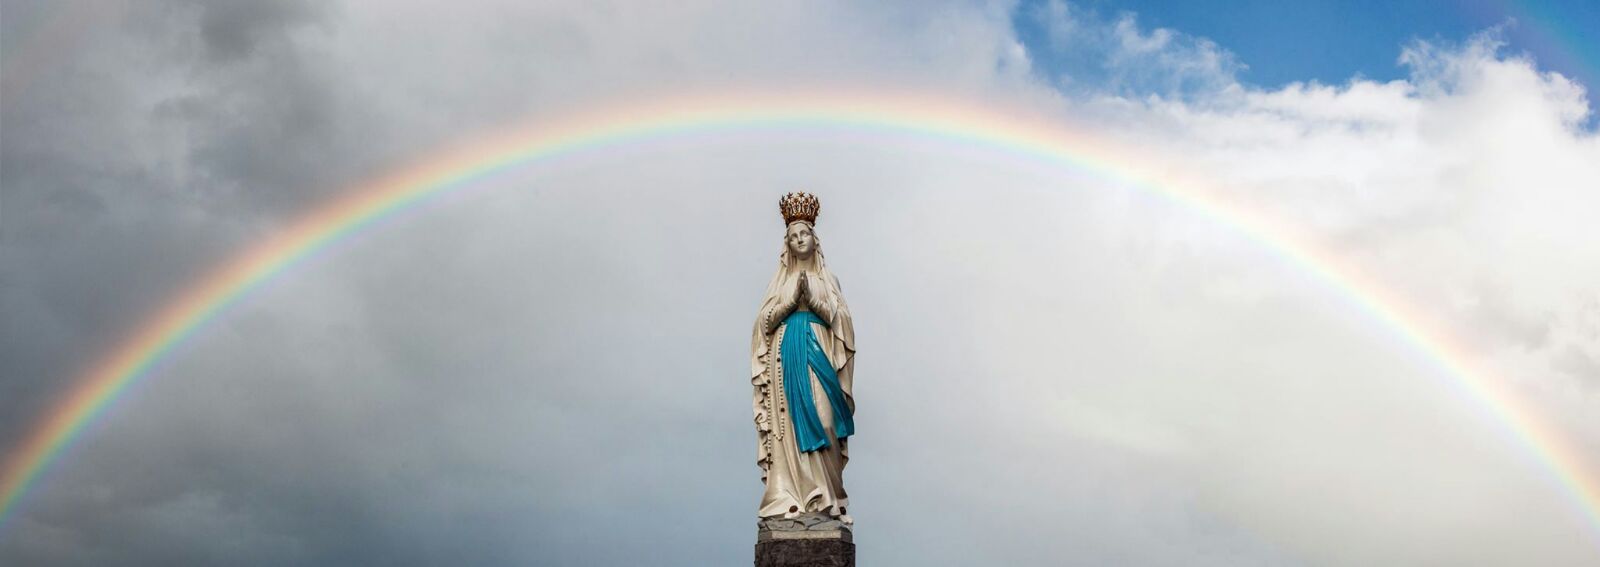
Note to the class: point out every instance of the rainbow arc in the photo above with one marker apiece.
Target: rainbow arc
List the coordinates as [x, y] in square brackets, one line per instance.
[899, 114]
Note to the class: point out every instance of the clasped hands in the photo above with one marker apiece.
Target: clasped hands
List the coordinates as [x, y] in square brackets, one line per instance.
[799, 294]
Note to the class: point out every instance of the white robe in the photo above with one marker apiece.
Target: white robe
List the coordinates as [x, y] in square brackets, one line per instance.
[801, 483]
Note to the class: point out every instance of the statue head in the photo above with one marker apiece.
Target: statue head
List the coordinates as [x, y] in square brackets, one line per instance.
[801, 240]
[800, 216]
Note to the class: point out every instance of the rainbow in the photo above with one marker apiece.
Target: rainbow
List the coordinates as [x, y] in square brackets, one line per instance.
[919, 116]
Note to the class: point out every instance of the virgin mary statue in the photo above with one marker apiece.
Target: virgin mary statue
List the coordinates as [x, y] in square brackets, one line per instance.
[802, 356]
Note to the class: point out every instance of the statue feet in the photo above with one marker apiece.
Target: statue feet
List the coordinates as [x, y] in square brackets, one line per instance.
[811, 521]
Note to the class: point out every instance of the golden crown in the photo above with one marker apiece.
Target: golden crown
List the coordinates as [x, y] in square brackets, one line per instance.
[799, 207]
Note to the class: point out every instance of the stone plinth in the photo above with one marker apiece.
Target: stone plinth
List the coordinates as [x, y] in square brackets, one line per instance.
[826, 545]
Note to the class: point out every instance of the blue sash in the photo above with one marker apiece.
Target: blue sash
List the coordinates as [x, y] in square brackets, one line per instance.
[801, 350]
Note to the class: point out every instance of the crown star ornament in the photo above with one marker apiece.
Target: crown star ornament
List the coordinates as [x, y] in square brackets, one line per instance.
[799, 207]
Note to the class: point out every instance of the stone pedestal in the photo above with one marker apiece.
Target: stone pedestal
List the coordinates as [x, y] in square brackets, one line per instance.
[827, 545]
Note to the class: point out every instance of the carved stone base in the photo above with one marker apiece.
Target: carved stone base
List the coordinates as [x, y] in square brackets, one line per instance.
[788, 543]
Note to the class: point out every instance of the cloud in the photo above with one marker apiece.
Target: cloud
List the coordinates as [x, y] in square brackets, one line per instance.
[546, 367]
[1087, 53]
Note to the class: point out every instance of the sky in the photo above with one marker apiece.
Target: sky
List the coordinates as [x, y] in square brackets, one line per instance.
[1278, 43]
[1055, 366]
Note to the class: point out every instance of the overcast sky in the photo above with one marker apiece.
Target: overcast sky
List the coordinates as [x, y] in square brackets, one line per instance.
[1053, 368]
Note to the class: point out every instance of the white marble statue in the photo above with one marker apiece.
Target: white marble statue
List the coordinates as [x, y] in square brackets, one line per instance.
[802, 356]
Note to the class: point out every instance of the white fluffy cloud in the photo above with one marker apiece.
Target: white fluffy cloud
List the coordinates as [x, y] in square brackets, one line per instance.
[1462, 191]
[1091, 54]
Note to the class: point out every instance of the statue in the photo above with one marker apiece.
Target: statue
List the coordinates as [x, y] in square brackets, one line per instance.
[802, 357]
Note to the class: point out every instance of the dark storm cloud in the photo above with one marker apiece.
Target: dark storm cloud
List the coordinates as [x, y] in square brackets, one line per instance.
[267, 120]
[130, 163]
[234, 29]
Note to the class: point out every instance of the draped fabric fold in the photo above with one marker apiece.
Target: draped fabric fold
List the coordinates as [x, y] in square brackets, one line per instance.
[800, 351]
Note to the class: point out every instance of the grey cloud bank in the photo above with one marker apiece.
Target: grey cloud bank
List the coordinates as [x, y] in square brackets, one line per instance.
[548, 369]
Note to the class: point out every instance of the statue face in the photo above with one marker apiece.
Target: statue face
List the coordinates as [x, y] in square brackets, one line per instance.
[800, 240]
